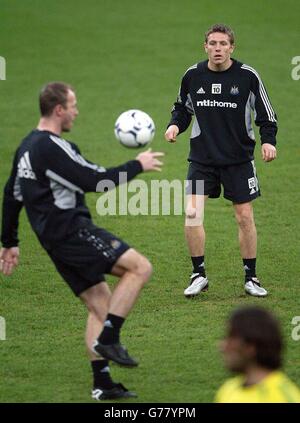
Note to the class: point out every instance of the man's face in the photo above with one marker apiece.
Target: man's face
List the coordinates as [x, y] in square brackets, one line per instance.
[237, 354]
[218, 48]
[69, 112]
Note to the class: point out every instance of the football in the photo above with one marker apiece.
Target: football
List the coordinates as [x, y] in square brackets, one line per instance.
[134, 128]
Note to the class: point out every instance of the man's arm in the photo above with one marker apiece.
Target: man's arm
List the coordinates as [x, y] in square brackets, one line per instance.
[182, 113]
[11, 207]
[65, 165]
[265, 118]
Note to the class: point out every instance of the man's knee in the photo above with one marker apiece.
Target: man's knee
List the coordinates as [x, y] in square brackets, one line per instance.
[193, 217]
[134, 262]
[194, 212]
[245, 218]
[144, 269]
[190, 212]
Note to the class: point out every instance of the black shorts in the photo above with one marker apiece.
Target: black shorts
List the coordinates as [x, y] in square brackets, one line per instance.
[86, 255]
[240, 181]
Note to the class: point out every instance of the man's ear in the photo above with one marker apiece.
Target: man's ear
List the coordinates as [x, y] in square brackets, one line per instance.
[205, 47]
[58, 109]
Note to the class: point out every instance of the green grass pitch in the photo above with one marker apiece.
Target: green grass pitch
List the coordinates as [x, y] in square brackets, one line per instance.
[132, 54]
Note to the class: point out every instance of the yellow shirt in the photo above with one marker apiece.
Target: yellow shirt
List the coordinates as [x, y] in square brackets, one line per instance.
[276, 387]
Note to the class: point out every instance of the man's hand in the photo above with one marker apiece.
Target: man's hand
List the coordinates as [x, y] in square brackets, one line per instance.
[171, 133]
[268, 152]
[9, 259]
[148, 160]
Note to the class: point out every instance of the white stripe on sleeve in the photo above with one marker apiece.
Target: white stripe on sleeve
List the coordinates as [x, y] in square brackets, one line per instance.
[263, 94]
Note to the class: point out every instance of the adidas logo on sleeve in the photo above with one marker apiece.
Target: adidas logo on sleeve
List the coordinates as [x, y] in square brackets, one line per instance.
[25, 168]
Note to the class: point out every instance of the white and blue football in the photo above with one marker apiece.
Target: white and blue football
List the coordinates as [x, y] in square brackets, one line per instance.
[134, 128]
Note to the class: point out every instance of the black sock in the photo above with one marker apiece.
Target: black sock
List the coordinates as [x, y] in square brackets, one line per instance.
[249, 266]
[198, 263]
[101, 374]
[111, 330]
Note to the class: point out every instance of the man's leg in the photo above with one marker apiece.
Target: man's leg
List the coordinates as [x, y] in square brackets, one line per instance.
[134, 271]
[195, 238]
[247, 230]
[97, 299]
[248, 247]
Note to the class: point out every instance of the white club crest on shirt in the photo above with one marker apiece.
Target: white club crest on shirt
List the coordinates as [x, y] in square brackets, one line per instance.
[234, 90]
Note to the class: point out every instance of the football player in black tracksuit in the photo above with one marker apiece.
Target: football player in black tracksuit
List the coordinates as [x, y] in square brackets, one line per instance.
[49, 177]
[221, 93]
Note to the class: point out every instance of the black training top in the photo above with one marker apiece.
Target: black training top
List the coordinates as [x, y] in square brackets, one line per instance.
[221, 102]
[49, 177]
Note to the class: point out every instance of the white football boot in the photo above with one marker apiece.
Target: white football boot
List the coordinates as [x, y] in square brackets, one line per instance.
[253, 288]
[197, 284]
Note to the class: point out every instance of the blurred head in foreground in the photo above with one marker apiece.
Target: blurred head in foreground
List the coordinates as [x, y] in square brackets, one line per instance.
[252, 347]
[253, 339]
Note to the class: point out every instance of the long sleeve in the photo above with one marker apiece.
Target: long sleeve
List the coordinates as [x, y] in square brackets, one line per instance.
[182, 111]
[63, 163]
[11, 207]
[265, 116]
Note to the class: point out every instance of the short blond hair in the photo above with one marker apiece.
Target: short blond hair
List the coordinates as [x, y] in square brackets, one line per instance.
[224, 29]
